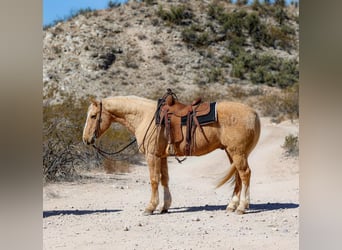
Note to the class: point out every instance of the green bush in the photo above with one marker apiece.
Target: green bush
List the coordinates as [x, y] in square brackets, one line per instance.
[280, 15]
[234, 22]
[238, 69]
[113, 4]
[259, 75]
[291, 145]
[196, 36]
[215, 10]
[175, 15]
[214, 74]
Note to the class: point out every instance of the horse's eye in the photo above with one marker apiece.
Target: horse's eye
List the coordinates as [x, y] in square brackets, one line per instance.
[93, 117]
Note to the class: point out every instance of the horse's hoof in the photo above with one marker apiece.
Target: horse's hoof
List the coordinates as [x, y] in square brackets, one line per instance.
[164, 211]
[230, 210]
[147, 212]
[240, 212]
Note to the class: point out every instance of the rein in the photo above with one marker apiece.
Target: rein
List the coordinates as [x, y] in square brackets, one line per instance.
[103, 153]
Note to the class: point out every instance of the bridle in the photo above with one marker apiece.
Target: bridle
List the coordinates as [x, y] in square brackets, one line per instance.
[98, 123]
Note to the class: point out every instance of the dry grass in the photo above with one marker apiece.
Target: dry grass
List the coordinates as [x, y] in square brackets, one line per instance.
[116, 166]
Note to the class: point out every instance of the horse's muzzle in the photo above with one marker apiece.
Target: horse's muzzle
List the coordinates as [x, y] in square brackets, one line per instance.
[89, 142]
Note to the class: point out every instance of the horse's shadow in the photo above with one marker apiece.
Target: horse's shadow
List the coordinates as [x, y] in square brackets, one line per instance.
[253, 208]
[77, 212]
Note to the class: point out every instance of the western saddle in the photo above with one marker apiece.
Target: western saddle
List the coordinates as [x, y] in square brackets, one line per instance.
[173, 114]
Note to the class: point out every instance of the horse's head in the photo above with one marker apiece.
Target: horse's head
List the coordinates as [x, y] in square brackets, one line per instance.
[98, 121]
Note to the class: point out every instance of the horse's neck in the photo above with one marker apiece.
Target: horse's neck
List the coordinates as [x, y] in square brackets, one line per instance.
[128, 111]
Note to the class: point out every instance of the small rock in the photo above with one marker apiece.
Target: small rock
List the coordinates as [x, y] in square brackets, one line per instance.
[126, 229]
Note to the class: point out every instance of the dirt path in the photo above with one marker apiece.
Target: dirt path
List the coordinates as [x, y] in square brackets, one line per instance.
[105, 212]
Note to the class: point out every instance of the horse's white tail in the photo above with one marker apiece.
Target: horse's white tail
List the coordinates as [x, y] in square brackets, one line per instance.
[227, 177]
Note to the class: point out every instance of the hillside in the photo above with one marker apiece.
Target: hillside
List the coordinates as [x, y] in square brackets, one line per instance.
[141, 48]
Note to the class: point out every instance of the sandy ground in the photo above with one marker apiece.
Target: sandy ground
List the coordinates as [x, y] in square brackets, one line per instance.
[105, 211]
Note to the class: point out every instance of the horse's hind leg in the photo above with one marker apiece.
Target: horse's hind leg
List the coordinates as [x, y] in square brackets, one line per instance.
[233, 204]
[244, 171]
[154, 164]
[165, 184]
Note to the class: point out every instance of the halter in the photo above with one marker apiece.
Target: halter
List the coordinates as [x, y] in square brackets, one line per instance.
[98, 123]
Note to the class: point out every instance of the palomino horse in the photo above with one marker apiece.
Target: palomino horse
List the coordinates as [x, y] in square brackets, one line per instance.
[236, 131]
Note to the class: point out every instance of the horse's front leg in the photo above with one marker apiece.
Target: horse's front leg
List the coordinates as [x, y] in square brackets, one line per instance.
[165, 183]
[154, 164]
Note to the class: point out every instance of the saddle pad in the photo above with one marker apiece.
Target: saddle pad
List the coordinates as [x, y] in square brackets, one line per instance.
[204, 119]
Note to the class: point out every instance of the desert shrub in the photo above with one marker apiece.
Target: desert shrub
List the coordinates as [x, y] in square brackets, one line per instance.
[280, 15]
[62, 139]
[260, 75]
[235, 49]
[241, 64]
[234, 22]
[272, 70]
[241, 2]
[150, 2]
[280, 3]
[214, 74]
[291, 145]
[256, 5]
[238, 69]
[288, 74]
[215, 10]
[176, 15]
[278, 37]
[257, 30]
[196, 36]
[59, 158]
[87, 12]
[113, 4]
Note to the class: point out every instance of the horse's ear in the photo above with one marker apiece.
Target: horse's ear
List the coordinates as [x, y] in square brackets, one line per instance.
[93, 101]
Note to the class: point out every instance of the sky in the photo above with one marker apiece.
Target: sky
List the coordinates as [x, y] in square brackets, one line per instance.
[59, 9]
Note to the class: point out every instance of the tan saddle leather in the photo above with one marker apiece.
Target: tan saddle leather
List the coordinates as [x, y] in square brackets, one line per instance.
[172, 111]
